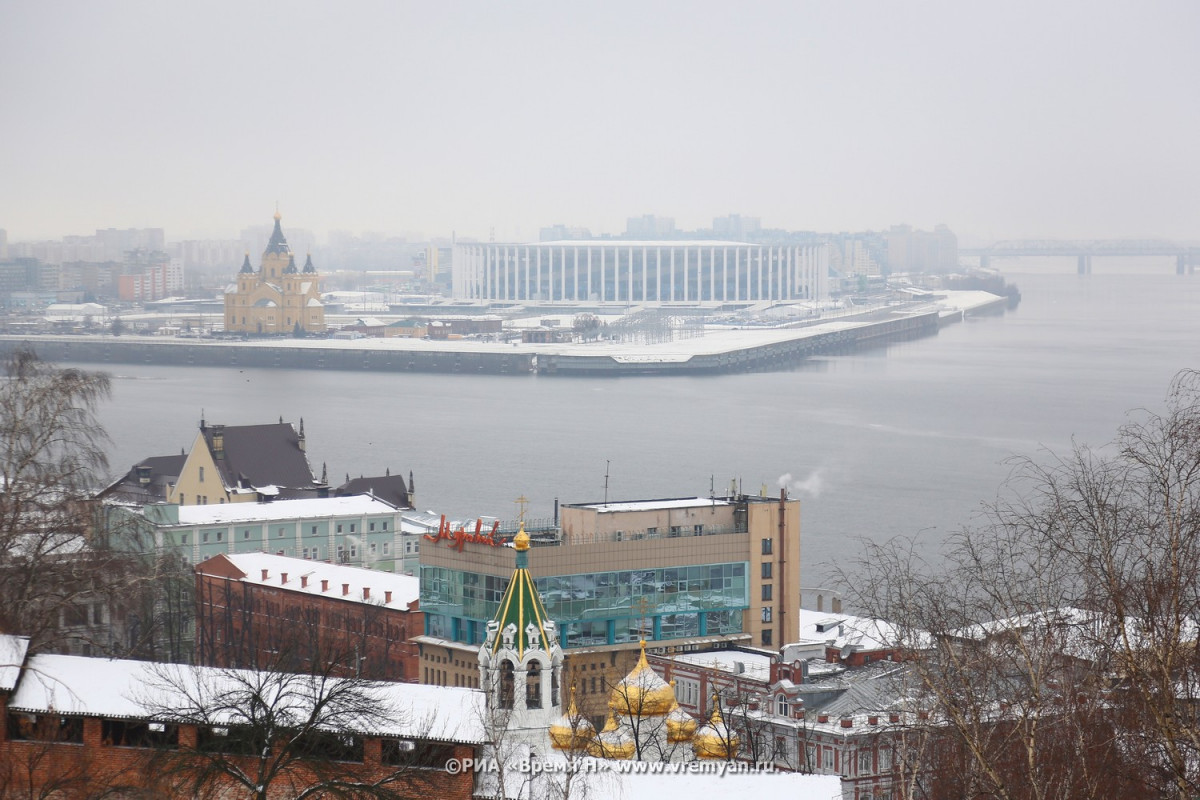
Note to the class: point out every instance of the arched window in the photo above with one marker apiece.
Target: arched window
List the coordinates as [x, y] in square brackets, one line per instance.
[533, 685]
[506, 684]
[781, 705]
[553, 686]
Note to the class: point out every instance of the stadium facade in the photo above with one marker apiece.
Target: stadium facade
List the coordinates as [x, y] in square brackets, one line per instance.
[622, 272]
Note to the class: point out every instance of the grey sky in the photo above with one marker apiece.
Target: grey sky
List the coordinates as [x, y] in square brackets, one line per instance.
[1000, 119]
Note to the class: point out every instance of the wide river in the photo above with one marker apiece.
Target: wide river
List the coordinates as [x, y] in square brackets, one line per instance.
[907, 438]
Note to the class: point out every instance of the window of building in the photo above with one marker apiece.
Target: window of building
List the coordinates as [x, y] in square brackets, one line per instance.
[766, 613]
[306, 552]
[197, 499]
[782, 707]
[372, 526]
[885, 759]
[386, 547]
[767, 637]
[385, 525]
[204, 537]
[354, 551]
[698, 530]
[766, 547]
[373, 548]
[202, 474]
[676, 530]
[827, 760]
[339, 527]
[651, 533]
[313, 530]
[220, 535]
[352, 527]
[281, 532]
[766, 570]
[766, 591]
[408, 546]
[183, 539]
[246, 534]
[864, 762]
[341, 554]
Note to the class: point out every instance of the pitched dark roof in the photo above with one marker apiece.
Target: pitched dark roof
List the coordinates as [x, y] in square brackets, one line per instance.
[388, 488]
[148, 481]
[308, 265]
[290, 269]
[260, 455]
[246, 268]
[278, 244]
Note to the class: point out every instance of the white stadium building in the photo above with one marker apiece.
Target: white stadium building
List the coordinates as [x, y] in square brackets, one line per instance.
[617, 271]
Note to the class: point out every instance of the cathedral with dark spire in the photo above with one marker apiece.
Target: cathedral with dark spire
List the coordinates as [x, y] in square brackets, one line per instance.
[277, 298]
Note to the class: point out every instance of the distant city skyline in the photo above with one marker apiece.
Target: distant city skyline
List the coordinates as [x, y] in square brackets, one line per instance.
[1000, 120]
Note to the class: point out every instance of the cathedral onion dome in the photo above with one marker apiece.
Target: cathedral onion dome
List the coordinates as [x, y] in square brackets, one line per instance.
[290, 269]
[613, 742]
[681, 726]
[642, 692]
[571, 731]
[521, 608]
[715, 740]
[309, 269]
[278, 244]
[246, 268]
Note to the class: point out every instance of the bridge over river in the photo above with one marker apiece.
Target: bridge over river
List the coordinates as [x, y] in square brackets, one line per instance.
[1187, 257]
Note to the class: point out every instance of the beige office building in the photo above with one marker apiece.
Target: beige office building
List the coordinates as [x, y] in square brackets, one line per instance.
[684, 574]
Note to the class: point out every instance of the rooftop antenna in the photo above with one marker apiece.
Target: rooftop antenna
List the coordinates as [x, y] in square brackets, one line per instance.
[606, 465]
[712, 489]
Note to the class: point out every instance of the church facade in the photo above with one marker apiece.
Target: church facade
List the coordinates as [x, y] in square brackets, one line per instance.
[278, 297]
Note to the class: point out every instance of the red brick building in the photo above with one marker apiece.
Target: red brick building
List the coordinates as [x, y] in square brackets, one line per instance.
[74, 727]
[254, 609]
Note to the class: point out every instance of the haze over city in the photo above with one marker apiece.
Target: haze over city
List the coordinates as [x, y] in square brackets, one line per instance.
[1001, 120]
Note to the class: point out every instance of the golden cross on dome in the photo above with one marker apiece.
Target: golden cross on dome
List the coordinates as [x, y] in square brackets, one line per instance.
[522, 501]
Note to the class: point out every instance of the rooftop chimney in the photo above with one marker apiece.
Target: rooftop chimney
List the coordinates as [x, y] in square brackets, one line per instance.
[264, 574]
[283, 577]
[366, 593]
[303, 581]
[324, 584]
[387, 597]
[345, 590]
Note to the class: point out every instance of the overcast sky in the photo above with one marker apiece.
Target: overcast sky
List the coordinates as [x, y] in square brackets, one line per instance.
[1000, 119]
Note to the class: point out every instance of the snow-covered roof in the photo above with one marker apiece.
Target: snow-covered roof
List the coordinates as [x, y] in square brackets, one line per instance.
[656, 505]
[756, 666]
[850, 633]
[635, 244]
[12, 656]
[232, 513]
[340, 580]
[97, 687]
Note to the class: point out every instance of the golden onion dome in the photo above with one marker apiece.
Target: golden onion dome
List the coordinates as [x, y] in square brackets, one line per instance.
[521, 540]
[681, 726]
[716, 740]
[642, 692]
[571, 731]
[614, 741]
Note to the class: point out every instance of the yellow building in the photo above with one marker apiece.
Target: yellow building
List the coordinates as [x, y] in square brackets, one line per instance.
[279, 297]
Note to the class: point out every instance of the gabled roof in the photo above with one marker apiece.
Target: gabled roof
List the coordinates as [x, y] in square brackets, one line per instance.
[308, 265]
[260, 455]
[159, 472]
[340, 582]
[246, 268]
[388, 488]
[124, 689]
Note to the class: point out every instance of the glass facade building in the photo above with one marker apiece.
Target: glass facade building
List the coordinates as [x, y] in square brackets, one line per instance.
[602, 608]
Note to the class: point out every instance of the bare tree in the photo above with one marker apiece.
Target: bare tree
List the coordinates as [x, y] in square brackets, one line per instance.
[1066, 630]
[51, 452]
[261, 733]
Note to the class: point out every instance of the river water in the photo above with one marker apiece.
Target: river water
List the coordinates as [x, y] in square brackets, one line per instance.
[907, 438]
